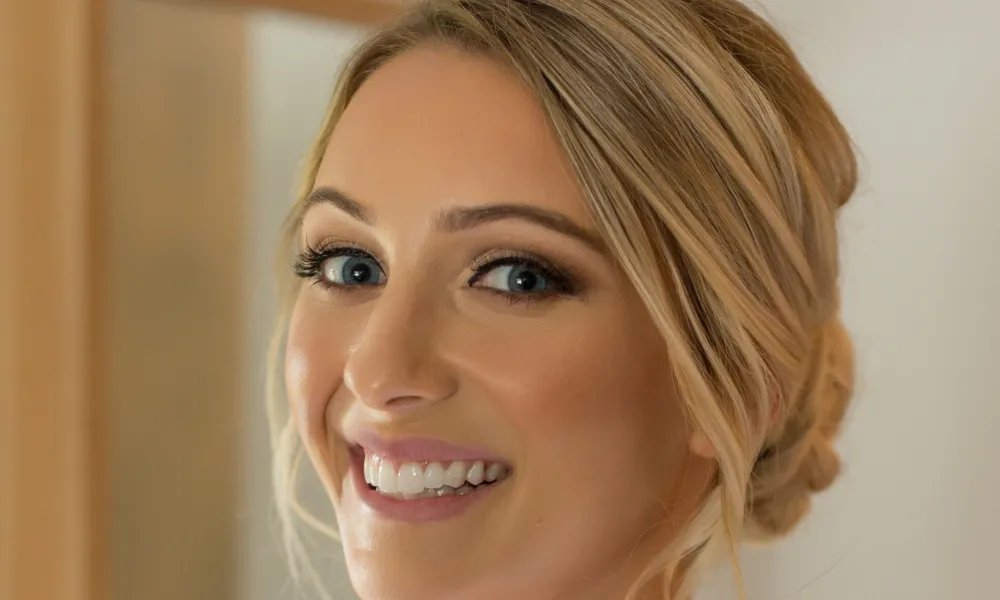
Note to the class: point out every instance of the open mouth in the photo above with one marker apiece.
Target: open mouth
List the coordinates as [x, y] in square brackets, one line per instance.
[430, 479]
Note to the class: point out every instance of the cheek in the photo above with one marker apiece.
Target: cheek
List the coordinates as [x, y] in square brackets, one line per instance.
[314, 359]
[594, 406]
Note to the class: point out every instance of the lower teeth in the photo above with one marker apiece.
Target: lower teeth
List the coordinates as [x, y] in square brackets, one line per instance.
[446, 490]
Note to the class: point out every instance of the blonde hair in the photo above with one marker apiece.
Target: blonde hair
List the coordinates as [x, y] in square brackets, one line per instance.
[714, 169]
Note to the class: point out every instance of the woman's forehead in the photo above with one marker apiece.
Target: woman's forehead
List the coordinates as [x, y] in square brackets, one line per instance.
[437, 125]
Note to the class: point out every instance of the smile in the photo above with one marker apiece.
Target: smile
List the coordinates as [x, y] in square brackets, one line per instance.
[414, 481]
[422, 479]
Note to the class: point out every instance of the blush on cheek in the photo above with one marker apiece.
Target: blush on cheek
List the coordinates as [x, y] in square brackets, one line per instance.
[296, 383]
[590, 382]
[311, 379]
[306, 404]
[599, 419]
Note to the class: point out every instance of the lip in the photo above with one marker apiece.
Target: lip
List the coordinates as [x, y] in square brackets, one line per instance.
[421, 510]
[418, 449]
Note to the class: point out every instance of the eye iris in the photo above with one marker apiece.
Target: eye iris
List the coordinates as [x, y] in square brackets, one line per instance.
[357, 271]
[351, 271]
[523, 280]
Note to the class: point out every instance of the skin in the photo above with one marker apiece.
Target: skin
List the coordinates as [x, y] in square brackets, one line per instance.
[572, 390]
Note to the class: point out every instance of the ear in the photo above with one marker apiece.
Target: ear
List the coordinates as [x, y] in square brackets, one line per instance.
[775, 417]
[701, 446]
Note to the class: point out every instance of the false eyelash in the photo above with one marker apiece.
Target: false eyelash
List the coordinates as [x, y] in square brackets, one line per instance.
[309, 262]
[306, 264]
[563, 281]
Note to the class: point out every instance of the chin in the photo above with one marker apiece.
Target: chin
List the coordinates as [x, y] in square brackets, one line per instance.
[397, 574]
[423, 545]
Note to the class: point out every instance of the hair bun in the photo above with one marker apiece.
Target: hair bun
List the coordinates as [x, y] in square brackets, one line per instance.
[801, 458]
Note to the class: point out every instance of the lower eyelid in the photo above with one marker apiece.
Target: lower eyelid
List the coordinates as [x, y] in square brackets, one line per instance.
[513, 299]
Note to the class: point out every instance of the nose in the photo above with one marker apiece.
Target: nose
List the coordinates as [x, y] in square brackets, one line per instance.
[394, 364]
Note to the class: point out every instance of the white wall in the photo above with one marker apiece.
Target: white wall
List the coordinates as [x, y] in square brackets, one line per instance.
[918, 84]
[915, 515]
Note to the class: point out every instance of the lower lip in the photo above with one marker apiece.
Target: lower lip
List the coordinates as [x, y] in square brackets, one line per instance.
[419, 510]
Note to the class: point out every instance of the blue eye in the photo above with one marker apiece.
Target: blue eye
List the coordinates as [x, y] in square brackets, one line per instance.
[341, 268]
[351, 270]
[523, 277]
[515, 279]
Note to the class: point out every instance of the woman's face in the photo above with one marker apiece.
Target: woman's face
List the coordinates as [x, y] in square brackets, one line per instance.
[464, 342]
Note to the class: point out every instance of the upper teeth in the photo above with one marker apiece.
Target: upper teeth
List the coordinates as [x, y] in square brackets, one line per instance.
[413, 478]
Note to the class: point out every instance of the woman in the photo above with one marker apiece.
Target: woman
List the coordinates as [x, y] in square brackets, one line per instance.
[566, 316]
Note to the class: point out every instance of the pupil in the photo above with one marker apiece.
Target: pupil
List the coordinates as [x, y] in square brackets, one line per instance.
[524, 280]
[360, 272]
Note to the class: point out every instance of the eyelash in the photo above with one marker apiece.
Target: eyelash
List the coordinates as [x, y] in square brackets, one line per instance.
[309, 265]
[563, 282]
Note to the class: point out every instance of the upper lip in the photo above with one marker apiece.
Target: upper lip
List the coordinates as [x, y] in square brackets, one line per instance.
[403, 449]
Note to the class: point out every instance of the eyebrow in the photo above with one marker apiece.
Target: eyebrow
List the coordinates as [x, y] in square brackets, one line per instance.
[338, 199]
[464, 218]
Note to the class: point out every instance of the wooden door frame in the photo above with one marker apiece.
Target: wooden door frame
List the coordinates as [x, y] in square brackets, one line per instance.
[51, 462]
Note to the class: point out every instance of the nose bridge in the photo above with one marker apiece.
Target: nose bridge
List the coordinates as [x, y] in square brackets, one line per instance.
[393, 363]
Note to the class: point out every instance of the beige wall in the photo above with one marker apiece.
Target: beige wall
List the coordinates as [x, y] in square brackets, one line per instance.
[917, 83]
[173, 225]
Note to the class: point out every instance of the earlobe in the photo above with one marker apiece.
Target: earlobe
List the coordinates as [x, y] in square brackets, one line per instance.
[701, 446]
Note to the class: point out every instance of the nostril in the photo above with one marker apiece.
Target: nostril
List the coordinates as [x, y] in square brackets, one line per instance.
[404, 402]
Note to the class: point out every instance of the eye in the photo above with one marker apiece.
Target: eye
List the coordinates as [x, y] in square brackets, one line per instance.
[347, 270]
[340, 267]
[523, 277]
[515, 279]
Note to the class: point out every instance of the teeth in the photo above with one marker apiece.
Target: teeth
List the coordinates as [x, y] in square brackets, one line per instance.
[493, 472]
[387, 481]
[433, 476]
[430, 480]
[477, 472]
[455, 475]
[411, 479]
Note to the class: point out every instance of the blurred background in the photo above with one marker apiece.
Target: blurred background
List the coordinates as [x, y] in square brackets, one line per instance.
[149, 152]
